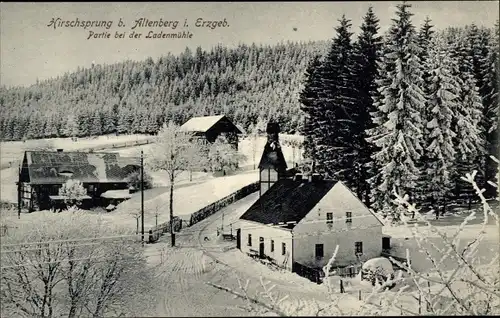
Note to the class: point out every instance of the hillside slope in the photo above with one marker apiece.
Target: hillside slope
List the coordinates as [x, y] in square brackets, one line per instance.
[137, 96]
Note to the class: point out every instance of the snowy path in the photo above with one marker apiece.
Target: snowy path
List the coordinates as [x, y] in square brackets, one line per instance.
[186, 269]
[183, 274]
[190, 265]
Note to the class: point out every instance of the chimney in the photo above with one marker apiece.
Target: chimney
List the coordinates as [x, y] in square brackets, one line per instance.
[59, 150]
[273, 130]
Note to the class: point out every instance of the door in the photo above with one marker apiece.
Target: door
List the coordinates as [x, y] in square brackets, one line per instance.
[386, 243]
[261, 247]
[238, 239]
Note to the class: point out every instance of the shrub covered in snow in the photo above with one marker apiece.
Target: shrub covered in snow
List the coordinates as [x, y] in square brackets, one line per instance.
[377, 270]
[73, 191]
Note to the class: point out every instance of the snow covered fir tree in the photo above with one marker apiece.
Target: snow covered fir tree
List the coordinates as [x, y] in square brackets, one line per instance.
[410, 110]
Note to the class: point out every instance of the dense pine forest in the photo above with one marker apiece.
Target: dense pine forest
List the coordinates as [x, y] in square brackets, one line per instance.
[411, 111]
[245, 83]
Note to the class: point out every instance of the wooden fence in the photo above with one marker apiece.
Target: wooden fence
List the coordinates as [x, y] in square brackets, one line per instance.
[124, 144]
[313, 274]
[156, 232]
[222, 203]
[347, 271]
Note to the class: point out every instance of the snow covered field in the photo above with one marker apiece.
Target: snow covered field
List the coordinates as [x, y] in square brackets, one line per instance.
[8, 191]
[185, 270]
[13, 150]
[187, 199]
[303, 293]
[246, 146]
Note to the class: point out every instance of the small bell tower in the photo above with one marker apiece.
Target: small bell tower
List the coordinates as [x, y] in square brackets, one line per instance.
[272, 166]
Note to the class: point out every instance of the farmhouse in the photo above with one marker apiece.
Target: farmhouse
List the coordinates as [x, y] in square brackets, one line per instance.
[300, 218]
[42, 173]
[209, 128]
[298, 223]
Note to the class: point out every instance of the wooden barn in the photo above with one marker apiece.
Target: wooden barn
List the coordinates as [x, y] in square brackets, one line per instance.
[209, 128]
[42, 173]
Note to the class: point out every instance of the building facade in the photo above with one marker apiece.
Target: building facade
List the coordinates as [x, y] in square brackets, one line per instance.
[302, 220]
[43, 173]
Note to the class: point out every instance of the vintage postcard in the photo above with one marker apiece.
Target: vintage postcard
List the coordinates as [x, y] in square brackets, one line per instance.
[166, 159]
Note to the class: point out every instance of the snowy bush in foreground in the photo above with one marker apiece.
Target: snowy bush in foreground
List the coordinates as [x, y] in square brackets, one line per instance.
[467, 288]
[377, 270]
[73, 191]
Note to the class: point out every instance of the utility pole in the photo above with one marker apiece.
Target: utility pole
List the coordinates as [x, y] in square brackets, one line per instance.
[142, 198]
[19, 193]
[222, 222]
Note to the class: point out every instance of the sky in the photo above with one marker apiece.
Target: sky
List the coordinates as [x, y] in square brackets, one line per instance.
[31, 48]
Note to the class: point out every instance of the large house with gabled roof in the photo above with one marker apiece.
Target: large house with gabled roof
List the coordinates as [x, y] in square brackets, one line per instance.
[208, 128]
[42, 173]
[299, 220]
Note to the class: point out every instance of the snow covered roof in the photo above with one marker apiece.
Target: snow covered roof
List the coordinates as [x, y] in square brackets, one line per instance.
[287, 200]
[380, 263]
[51, 167]
[203, 124]
[117, 194]
[291, 200]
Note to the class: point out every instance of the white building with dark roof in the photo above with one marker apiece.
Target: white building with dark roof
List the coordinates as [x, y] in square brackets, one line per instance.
[298, 222]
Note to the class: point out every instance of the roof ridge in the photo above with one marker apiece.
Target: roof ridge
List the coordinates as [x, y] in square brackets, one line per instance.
[76, 151]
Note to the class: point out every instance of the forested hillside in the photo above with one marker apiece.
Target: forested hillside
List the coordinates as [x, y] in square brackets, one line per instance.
[412, 110]
[138, 96]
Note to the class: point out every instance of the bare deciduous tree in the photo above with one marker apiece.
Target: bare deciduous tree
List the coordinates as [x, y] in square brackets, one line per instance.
[458, 283]
[67, 268]
[222, 156]
[172, 153]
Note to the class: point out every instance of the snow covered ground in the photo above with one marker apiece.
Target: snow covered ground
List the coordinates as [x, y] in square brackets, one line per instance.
[187, 200]
[305, 294]
[14, 150]
[402, 239]
[185, 271]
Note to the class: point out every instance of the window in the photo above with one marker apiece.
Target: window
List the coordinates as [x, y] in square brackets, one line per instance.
[272, 245]
[319, 251]
[329, 218]
[358, 247]
[348, 217]
[283, 248]
[273, 175]
[249, 239]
